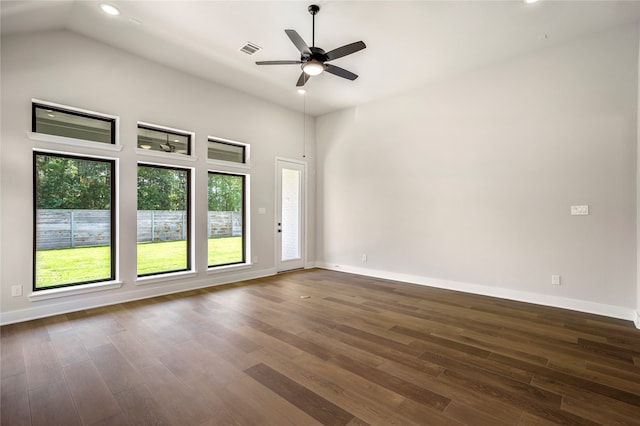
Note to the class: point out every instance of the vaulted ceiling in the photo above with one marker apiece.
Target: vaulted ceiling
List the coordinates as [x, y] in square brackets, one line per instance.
[409, 43]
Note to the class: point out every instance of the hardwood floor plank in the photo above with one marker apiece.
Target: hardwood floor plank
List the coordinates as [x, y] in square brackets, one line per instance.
[395, 384]
[52, 405]
[470, 416]
[481, 401]
[41, 365]
[270, 404]
[139, 406]
[114, 368]
[604, 417]
[368, 401]
[179, 403]
[14, 403]
[574, 380]
[311, 403]
[90, 393]
[11, 357]
[68, 347]
[597, 401]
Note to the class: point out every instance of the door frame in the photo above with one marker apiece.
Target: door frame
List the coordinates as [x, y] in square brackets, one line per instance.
[277, 213]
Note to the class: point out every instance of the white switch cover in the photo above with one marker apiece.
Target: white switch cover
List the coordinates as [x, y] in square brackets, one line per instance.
[579, 210]
[262, 210]
[555, 279]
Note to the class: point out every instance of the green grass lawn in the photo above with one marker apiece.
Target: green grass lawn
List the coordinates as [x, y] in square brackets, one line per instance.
[81, 264]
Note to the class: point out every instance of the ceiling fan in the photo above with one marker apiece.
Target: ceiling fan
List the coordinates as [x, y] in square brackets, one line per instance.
[313, 59]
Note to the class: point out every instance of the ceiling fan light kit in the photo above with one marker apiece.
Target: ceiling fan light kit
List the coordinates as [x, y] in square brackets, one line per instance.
[313, 67]
[313, 60]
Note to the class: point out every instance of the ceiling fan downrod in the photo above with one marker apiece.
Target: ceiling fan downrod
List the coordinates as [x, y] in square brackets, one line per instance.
[313, 10]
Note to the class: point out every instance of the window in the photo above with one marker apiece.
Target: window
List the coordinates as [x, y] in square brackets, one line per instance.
[223, 150]
[74, 220]
[72, 123]
[226, 219]
[164, 219]
[163, 140]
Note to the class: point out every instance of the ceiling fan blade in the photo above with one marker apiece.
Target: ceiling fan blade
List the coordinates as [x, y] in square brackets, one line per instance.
[345, 50]
[299, 42]
[304, 77]
[278, 62]
[340, 72]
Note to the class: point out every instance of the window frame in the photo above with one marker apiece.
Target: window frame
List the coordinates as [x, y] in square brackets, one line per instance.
[113, 223]
[247, 153]
[190, 267]
[191, 145]
[79, 112]
[245, 225]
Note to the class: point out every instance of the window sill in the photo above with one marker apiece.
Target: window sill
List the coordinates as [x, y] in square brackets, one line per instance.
[72, 291]
[228, 268]
[80, 143]
[228, 164]
[165, 155]
[170, 276]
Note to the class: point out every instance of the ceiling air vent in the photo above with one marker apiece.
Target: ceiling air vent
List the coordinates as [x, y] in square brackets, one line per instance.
[250, 48]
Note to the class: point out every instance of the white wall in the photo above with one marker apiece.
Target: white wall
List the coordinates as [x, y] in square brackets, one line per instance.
[637, 314]
[468, 184]
[70, 69]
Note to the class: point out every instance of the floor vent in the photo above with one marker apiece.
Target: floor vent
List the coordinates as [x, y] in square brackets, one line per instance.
[250, 48]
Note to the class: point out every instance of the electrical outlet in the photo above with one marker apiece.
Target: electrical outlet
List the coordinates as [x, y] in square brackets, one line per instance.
[16, 290]
[255, 259]
[579, 210]
[555, 279]
[364, 258]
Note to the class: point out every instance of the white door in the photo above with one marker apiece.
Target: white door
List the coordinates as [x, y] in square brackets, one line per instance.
[290, 183]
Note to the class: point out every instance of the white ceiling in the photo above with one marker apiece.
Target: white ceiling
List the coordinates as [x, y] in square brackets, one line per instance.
[409, 43]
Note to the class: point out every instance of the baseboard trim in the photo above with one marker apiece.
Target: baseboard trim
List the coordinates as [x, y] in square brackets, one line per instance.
[636, 320]
[503, 293]
[95, 300]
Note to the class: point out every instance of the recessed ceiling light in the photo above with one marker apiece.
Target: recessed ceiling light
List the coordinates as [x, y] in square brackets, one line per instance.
[110, 9]
[531, 1]
[302, 91]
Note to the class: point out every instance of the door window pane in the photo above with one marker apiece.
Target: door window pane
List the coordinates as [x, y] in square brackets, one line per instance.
[163, 220]
[290, 214]
[225, 223]
[74, 220]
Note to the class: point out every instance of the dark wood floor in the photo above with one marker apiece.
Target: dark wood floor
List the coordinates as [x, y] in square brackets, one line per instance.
[356, 351]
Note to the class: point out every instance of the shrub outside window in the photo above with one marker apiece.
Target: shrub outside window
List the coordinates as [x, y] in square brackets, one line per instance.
[164, 219]
[74, 220]
[226, 219]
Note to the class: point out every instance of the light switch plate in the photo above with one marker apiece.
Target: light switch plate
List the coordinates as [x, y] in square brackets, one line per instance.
[579, 210]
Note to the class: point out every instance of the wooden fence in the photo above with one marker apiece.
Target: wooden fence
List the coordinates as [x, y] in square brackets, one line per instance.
[78, 228]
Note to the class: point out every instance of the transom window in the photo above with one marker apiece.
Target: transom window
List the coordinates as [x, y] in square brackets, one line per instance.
[70, 123]
[163, 140]
[223, 150]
